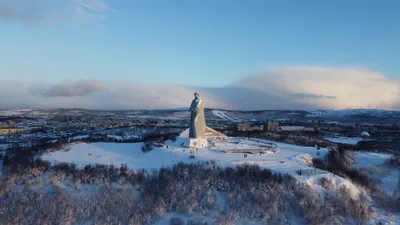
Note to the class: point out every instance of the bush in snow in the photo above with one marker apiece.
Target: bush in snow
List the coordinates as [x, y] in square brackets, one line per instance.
[390, 202]
[146, 147]
[394, 161]
[326, 183]
[196, 222]
[375, 173]
[359, 208]
[188, 189]
[342, 157]
[340, 162]
[318, 163]
[6, 160]
[398, 187]
[173, 137]
[176, 221]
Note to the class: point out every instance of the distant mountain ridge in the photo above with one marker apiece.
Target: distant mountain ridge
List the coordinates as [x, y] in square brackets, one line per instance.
[35, 111]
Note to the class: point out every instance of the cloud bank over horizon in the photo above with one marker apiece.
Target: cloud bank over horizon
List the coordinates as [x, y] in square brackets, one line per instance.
[336, 88]
[68, 89]
[280, 88]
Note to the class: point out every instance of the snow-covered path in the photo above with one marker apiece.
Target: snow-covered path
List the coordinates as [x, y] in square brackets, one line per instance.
[223, 115]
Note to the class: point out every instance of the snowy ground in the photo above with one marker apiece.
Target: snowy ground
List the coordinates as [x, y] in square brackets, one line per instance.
[288, 159]
[344, 140]
[370, 158]
[14, 112]
[224, 115]
[374, 165]
[348, 112]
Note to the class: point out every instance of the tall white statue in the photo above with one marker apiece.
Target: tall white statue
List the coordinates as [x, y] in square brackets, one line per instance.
[198, 131]
[197, 119]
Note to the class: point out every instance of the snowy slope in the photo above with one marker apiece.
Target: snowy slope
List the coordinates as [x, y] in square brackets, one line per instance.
[370, 158]
[14, 111]
[337, 182]
[352, 112]
[374, 165]
[223, 115]
[289, 159]
[344, 140]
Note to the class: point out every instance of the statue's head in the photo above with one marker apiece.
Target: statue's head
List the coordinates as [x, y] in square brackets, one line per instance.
[196, 95]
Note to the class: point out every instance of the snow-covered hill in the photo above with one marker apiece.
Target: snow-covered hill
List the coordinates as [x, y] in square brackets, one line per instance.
[224, 115]
[352, 112]
[288, 159]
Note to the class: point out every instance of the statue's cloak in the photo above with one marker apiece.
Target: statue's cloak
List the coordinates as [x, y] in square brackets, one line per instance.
[197, 119]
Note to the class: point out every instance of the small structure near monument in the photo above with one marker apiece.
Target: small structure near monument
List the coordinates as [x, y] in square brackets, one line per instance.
[365, 134]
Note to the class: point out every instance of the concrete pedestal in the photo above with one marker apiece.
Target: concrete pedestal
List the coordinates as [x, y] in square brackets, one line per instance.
[196, 143]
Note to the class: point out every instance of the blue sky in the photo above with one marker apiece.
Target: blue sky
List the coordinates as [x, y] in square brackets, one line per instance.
[207, 43]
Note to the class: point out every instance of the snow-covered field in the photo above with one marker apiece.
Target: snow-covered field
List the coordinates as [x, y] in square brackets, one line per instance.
[225, 116]
[344, 140]
[374, 165]
[349, 112]
[14, 112]
[370, 158]
[289, 158]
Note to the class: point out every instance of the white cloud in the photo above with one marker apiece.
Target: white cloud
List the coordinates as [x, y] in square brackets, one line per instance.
[69, 89]
[347, 87]
[282, 88]
[96, 6]
[44, 12]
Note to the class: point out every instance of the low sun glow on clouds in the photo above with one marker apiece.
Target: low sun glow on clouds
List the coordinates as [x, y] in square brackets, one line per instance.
[337, 88]
[280, 88]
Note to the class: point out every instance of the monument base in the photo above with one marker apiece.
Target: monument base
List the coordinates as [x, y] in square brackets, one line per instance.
[196, 143]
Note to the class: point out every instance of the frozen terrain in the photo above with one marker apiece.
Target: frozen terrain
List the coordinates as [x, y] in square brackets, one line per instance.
[350, 112]
[374, 164]
[288, 159]
[345, 140]
[14, 112]
[225, 116]
[370, 158]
